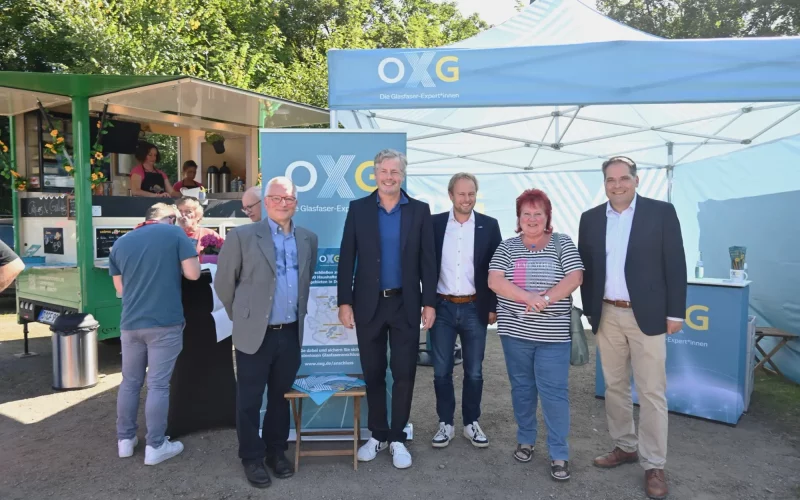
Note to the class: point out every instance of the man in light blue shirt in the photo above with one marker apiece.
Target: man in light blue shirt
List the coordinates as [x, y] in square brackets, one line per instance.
[263, 279]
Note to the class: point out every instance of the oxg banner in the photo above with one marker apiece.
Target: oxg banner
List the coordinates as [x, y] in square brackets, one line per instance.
[329, 169]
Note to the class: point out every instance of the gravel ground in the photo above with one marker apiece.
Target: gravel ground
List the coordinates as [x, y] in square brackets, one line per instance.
[62, 444]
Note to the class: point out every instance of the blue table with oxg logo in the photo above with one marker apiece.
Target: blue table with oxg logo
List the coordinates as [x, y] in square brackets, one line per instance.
[710, 363]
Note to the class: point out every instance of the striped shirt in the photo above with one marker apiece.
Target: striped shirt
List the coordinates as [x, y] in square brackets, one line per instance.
[535, 272]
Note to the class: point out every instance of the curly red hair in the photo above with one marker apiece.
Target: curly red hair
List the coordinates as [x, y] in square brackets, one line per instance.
[535, 197]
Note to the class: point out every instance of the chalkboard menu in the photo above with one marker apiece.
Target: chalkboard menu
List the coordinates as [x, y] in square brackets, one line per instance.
[47, 206]
[104, 238]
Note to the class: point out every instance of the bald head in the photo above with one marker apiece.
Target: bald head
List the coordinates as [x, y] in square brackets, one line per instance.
[251, 203]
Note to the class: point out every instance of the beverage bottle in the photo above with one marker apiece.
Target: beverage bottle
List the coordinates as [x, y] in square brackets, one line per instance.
[698, 268]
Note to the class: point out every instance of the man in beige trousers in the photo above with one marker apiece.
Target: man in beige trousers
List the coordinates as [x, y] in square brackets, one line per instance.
[634, 291]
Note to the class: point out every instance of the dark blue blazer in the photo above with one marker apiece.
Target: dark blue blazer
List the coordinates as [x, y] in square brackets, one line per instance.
[487, 239]
[655, 265]
[359, 271]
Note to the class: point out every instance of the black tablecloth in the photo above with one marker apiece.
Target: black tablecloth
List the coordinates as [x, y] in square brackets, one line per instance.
[203, 388]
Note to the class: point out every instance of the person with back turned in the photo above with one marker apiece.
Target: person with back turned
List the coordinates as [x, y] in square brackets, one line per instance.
[384, 301]
[634, 291]
[146, 265]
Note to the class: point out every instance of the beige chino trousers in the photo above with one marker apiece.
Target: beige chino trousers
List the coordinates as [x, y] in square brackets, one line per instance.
[622, 346]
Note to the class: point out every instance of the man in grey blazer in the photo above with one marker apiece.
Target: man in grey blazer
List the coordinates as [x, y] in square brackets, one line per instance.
[263, 277]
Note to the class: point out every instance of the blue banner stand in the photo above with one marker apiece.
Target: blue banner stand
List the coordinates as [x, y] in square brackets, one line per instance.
[710, 363]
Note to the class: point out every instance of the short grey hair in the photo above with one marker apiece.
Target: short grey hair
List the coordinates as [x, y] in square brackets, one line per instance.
[281, 180]
[160, 211]
[193, 203]
[460, 177]
[390, 154]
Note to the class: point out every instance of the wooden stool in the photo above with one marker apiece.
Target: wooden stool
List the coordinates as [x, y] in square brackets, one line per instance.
[296, 398]
[785, 337]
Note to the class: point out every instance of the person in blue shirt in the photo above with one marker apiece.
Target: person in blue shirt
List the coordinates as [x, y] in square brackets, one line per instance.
[385, 302]
[146, 265]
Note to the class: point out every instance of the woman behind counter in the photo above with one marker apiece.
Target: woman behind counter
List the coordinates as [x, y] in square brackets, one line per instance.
[146, 179]
[189, 170]
[191, 215]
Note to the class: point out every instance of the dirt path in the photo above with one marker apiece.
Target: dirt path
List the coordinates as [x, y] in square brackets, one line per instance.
[62, 445]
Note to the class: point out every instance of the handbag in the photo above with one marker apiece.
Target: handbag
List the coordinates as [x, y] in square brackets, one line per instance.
[580, 348]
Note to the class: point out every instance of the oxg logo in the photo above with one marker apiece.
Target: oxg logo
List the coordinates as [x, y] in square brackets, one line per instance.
[697, 321]
[336, 170]
[392, 70]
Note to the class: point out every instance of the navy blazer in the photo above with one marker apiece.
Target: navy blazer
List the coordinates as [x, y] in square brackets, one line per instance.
[359, 271]
[487, 239]
[655, 265]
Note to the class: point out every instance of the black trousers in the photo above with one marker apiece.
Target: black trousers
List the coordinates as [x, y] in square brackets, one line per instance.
[274, 367]
[389, 323]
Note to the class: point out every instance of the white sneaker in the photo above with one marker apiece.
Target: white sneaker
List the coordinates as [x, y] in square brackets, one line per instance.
[370, 449]
[167, 450]
[401, 458]
[475, 435]
[443, 435]
[125, 447]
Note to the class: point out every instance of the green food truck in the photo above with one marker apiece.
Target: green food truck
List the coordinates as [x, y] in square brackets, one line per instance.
[70, 155]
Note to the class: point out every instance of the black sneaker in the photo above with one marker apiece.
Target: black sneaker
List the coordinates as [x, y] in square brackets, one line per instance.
[280, 465]
[257, 475]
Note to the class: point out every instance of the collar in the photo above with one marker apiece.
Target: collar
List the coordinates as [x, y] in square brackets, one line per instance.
[452, 217]
[275, 229]
[403, 198]
[631, 208]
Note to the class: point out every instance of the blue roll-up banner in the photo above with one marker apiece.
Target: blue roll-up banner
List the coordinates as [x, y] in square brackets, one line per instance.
[329, 169]
[710, 362]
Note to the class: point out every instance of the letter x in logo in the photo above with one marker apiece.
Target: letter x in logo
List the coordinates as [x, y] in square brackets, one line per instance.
[419, 64]
[336, 181]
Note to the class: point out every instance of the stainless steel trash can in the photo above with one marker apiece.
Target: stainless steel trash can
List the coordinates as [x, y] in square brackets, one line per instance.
[74, 351]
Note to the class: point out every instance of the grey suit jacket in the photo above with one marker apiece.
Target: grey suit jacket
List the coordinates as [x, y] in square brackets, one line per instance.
[245, 280]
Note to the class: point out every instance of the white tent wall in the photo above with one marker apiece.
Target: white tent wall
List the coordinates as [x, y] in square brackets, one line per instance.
[750, 198]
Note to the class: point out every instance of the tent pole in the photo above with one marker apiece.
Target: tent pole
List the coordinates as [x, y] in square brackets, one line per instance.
[670, 171]
[334, 124]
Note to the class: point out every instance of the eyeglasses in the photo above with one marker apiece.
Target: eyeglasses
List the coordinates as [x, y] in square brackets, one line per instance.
[623, 159]
[172, 219]
[249, 208]
[290, 200]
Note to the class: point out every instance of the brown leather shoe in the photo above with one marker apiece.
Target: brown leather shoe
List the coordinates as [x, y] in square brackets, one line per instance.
[616, 457]
[655, 482]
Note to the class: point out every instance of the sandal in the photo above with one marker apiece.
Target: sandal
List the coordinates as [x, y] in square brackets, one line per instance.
[560, 472]
[523, 453]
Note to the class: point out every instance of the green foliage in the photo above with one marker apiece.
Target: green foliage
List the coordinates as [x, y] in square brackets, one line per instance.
[274, 46]
[707, 18]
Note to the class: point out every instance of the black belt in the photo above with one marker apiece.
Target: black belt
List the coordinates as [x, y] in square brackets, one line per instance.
[282, 326]
[391, 292]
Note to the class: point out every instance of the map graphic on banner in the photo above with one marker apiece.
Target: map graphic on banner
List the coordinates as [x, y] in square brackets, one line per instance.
[330, 169]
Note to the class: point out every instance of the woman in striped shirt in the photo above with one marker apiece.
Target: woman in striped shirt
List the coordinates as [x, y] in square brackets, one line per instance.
[533, 281]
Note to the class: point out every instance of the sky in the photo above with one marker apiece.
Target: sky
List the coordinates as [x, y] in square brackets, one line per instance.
[492, 11]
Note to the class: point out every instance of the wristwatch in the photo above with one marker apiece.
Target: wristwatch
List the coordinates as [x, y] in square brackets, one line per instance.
[547, 299]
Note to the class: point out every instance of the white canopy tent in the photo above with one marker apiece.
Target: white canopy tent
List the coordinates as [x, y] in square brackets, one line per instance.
[732, 136]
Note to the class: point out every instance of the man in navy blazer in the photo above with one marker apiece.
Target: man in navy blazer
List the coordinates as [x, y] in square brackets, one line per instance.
[391, 236]
[465, 243]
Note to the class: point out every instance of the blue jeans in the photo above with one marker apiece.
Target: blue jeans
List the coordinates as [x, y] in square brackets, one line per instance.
[462, 320]
[540, 370]
[152, 351]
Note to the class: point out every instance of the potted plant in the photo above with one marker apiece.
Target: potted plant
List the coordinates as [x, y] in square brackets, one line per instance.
[212, 244]
[217, 141]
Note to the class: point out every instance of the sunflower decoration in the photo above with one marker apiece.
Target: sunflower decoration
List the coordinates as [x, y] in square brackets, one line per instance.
[17, 181]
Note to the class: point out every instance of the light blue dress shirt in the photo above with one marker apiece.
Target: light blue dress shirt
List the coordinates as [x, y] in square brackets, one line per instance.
[284, 305]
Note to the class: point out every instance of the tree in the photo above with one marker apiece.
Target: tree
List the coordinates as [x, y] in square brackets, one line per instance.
[706, 18]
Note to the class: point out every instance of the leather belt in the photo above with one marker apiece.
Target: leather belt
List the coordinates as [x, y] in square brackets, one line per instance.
[391, 292]
[618, 303]
[458, 299]
[282, 326]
